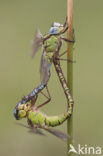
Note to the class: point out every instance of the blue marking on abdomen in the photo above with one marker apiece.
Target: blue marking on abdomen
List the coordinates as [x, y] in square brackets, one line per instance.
[33, 93]
[37, 90]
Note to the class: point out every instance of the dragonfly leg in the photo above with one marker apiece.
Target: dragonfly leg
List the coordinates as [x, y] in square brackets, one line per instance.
[60, 55]
[65, 52]
[65, 28]
[67, 40]
[66, 60]
[48, 98]
[65, 22]
[48, 92]
[33, 100]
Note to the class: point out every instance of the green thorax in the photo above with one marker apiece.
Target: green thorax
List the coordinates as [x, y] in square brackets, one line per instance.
[51, 44]
[36, 117]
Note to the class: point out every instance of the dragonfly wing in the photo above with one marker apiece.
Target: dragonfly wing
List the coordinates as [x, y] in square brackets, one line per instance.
[44, 70]
[23, 125]
[36, 131]
[31, 129]
[36, 42]
[57, 133]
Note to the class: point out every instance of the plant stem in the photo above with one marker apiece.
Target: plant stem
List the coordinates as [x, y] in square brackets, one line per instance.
[70, 70]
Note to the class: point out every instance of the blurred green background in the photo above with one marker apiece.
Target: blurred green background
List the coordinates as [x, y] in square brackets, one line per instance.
[19, 74]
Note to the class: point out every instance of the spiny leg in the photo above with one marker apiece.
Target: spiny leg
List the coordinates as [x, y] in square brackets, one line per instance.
[48, 92]
[58, 58]
[66, 60]
[64, 25]
[63, 53]
[48, 98]
[33, 100]
[67, 40]
[44, 103]
[60, 55]
[65, 29]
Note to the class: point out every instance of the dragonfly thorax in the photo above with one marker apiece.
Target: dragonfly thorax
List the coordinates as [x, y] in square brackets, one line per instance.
[51, 44]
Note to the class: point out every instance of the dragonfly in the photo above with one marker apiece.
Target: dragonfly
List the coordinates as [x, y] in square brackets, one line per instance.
[38, 121]
[51, 44]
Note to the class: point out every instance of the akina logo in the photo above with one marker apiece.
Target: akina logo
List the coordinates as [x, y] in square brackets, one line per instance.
[85, 150]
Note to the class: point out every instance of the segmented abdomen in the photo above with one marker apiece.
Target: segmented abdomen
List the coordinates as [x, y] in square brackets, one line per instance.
[56, 120]
[32, 94]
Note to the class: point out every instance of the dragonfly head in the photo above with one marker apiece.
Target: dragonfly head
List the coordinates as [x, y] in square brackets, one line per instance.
[56, 28]
[20, 111]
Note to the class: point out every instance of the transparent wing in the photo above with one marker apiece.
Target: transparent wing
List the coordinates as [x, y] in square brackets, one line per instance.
[57, 133]
[36, 42]
[44, 70]
[31, 129]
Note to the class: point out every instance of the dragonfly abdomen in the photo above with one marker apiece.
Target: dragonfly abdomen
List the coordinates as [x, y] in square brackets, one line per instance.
[38, 118]
[33, 93]
[56, 120]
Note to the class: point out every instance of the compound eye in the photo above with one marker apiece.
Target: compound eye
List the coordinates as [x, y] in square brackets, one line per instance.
[53, 30]
[21, 114]
[16, 114]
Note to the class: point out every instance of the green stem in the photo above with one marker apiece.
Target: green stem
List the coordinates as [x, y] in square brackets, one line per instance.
[70, 71]
[70, 83]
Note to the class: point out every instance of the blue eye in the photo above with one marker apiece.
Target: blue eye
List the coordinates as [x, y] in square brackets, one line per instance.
[16, 113]
[19, 103]
[53, 30]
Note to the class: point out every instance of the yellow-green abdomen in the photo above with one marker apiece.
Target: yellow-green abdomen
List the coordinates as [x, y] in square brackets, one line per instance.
[56, 120]
[37, 118]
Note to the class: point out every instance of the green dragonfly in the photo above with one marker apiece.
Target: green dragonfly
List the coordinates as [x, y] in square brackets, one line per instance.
[38, 120]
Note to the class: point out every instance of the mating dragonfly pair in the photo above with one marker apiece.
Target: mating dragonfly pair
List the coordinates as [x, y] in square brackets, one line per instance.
[51, 44]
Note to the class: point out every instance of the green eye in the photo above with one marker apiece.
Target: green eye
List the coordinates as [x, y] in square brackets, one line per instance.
[21, 114]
